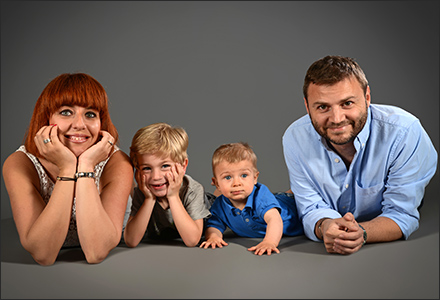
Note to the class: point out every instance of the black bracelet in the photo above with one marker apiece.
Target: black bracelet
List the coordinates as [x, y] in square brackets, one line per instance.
[65, 178]
[319, 228]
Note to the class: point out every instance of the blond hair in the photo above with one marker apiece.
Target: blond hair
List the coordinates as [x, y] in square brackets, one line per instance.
[234, 153]
[160, 139]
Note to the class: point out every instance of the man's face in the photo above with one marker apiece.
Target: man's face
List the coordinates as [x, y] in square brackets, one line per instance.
[338, 112]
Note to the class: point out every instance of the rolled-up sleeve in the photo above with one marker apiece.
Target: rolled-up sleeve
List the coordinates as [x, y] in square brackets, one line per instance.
[414, 162]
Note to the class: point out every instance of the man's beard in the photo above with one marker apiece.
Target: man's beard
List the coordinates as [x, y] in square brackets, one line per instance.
[356, 128]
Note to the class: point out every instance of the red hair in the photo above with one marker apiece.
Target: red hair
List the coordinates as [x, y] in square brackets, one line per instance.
[69, 89]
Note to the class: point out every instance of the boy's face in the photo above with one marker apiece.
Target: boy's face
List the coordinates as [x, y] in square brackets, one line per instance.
[154, 168]
[235, 180]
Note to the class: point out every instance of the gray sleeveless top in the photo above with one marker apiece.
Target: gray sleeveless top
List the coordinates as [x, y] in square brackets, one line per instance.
[46, 186]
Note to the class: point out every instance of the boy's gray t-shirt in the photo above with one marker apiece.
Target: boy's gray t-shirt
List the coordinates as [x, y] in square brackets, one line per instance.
[161, 222]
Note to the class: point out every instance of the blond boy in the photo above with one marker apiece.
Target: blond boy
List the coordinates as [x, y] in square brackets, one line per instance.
[166, 202]
[247, 207]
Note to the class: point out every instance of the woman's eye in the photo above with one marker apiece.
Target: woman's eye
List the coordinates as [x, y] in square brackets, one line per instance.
[65, 112]
[90, 114]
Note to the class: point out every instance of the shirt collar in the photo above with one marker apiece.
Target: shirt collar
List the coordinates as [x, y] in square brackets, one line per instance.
[249, 202]
[362, 137]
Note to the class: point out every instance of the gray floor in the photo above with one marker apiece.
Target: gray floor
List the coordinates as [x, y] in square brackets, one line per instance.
[401, 269]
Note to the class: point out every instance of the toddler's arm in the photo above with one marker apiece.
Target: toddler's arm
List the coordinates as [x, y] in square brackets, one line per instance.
[214, 238]
[274, 232]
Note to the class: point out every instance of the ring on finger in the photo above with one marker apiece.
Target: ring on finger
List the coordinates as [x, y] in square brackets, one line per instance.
[110, 143]
[46, 141]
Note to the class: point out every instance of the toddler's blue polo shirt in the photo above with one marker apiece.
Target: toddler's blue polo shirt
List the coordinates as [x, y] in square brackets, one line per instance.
[249, 222]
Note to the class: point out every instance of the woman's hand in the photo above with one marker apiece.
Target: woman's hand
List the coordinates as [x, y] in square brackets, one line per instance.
[98, 152]
[51, 148]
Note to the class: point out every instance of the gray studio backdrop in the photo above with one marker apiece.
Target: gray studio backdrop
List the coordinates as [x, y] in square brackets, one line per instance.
[225, 71]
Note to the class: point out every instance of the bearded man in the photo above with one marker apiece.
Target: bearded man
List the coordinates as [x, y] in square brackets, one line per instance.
[358, 170]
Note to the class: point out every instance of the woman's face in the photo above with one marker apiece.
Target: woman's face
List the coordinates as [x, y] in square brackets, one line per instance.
[78, 127]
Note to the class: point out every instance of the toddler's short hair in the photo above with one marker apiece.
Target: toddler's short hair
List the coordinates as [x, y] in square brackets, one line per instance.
[234, 153]
[160, 139]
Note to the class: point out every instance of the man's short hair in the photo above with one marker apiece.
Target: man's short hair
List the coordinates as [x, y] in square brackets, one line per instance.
[330, 70]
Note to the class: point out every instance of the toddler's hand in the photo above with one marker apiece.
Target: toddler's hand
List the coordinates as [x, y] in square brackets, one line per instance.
[213, 242]
[263, 247]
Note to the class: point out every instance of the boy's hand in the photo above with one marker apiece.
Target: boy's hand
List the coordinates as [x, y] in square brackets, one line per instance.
[175, 179]
[140, 179]
[263, 247]
[213, 241]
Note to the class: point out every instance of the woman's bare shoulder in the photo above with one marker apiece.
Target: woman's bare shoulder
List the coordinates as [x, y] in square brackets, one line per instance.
[118, 165]
[119, 158]
[18, 170]
[17, 161]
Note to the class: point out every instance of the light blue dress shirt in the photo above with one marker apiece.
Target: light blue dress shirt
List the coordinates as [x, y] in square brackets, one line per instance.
[394, 161]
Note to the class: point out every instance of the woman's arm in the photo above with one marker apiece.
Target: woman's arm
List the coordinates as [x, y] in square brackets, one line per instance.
[100, 216]
[42, 227]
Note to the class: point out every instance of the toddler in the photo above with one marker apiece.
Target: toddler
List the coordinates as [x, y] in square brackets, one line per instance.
[247, 207]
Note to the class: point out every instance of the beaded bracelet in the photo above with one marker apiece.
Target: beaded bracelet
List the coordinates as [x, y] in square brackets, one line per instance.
[85, 174]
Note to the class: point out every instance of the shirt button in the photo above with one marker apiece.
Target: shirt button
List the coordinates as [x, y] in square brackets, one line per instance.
[238, 213]
[247, 220]
[346, 186]
[343, 207]
[336, 160]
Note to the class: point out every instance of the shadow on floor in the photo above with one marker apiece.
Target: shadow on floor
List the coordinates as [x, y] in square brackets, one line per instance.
[13, 252]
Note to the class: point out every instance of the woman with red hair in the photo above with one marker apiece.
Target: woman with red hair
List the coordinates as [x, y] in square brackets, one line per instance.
[69, 183]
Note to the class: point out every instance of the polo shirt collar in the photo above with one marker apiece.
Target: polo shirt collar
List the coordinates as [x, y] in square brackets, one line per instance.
[249, 202]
